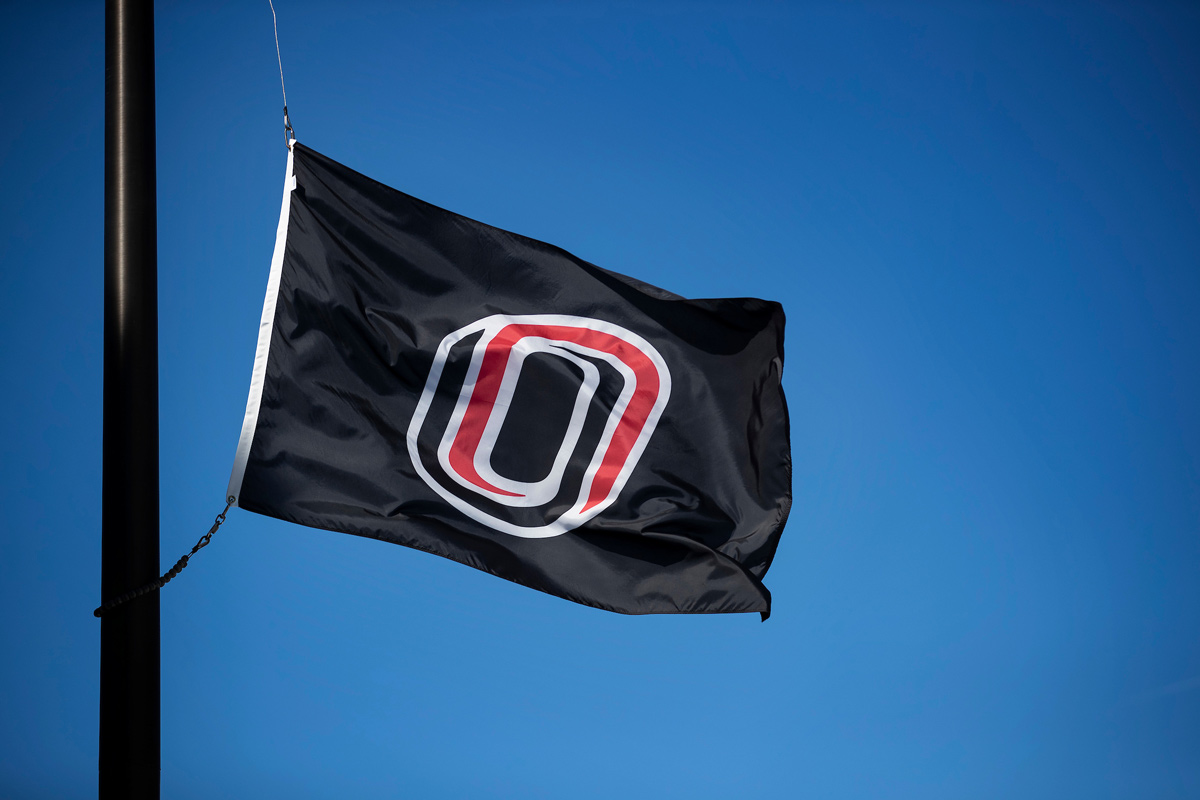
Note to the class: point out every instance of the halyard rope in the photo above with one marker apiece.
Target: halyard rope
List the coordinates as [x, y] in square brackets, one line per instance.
[171, 573]
[289, 134]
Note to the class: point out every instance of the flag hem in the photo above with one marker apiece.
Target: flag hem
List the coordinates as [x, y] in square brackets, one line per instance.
[265, 327]
[486, 568]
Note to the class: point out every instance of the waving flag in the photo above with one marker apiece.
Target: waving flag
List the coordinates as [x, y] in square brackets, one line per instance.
[428, 380]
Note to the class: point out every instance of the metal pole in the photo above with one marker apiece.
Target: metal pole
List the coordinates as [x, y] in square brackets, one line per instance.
[129, 634]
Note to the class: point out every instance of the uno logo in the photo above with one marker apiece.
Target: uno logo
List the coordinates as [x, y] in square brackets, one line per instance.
[620, 386]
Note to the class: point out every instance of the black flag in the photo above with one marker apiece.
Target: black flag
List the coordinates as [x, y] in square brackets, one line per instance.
[435, 382]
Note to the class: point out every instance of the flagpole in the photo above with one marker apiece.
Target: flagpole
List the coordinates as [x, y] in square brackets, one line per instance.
[129, 635]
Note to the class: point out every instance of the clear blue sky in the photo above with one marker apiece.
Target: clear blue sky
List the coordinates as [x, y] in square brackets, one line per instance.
[983, 221]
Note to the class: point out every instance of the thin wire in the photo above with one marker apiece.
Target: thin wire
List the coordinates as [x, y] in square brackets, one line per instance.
[278, 57]
[289, 134]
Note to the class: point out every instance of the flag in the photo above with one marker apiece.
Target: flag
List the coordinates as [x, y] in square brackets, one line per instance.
[428, 380]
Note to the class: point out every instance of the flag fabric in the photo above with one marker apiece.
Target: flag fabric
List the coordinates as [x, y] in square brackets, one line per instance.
[428, 380]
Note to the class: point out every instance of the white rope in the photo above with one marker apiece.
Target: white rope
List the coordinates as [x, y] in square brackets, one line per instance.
[289, 134]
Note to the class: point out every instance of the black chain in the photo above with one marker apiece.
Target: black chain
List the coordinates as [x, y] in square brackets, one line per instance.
[172, 572]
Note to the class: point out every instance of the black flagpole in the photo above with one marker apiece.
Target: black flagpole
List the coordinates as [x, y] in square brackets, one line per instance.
[129, 634]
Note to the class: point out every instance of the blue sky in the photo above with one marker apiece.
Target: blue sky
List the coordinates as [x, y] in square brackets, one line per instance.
[983, 222]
